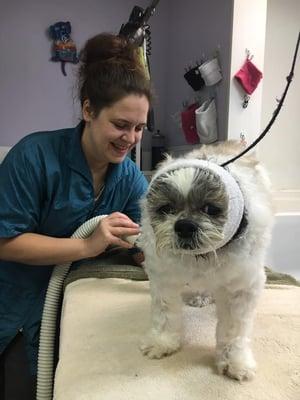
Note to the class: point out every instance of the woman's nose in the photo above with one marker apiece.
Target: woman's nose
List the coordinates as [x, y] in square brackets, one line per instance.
[131, 136]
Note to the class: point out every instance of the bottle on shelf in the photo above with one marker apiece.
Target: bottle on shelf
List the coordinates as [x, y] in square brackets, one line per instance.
[158, 148]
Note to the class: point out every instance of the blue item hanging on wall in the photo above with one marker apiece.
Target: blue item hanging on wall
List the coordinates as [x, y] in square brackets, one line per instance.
[64, 48]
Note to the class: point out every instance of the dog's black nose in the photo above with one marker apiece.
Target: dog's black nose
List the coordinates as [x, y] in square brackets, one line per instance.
[185, 228]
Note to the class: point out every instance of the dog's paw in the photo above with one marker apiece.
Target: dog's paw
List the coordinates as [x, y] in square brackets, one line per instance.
[239, 365]
[158, 346]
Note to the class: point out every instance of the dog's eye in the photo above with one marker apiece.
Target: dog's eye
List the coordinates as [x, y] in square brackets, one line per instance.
[210, 209]
[165, 209]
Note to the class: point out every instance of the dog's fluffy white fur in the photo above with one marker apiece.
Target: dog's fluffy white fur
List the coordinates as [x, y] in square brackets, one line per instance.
[233, 274]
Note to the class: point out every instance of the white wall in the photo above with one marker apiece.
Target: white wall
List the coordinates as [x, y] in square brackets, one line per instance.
[280, 149]
[249, 24]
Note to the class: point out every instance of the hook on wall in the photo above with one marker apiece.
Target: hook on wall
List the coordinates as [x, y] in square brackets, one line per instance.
[246, 101]
[249, 55]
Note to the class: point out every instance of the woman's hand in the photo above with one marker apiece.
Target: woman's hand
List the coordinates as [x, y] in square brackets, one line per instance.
[111, 230]
[35, 249]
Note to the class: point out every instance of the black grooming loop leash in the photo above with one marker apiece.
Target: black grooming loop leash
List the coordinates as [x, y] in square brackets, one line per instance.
[289, 79]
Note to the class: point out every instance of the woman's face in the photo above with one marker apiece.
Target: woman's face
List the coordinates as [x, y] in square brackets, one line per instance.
[109, 137]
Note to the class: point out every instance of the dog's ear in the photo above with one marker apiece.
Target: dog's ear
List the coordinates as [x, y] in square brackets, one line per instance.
[200, 153]
[249, 161]
[167, 159]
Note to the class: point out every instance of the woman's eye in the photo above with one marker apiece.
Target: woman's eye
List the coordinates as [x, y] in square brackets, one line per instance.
[120, 127]
[166, 209]
[210, 209]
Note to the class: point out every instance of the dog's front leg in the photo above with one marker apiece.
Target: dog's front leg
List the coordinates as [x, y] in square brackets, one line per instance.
[166, 320]
[235, 313]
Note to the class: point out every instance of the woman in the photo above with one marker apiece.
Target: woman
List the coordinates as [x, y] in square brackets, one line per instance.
[52, 182]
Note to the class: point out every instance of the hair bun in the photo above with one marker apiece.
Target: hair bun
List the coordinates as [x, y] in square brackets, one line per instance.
[107, 47]
[111, 68]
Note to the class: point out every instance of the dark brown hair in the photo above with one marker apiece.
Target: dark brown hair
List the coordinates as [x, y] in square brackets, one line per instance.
[110, 70]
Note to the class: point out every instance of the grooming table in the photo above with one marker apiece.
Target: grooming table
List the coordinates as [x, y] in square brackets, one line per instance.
[103, 321]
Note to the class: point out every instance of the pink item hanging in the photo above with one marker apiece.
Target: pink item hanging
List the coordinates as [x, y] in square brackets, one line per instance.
[188, 123]
[249, 76]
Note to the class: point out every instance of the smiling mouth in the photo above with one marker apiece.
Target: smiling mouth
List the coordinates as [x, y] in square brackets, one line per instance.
[120, 148]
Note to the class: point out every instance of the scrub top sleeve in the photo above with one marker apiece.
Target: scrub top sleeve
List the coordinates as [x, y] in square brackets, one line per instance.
[20, 194]
[133, 209]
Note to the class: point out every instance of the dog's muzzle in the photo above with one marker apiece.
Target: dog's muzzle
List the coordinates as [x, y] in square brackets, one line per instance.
[185, 228]
[186, 231]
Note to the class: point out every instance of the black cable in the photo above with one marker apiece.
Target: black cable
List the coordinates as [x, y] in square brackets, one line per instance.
[275, 113]
[148, 41]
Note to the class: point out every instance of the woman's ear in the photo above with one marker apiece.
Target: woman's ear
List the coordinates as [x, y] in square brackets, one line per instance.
[87, 112]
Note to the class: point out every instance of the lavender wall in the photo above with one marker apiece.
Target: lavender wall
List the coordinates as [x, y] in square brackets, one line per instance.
[34, 94]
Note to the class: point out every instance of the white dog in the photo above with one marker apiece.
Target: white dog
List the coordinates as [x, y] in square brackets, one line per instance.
[208, 227]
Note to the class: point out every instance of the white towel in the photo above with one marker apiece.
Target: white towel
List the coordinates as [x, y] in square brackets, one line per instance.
[103, 321]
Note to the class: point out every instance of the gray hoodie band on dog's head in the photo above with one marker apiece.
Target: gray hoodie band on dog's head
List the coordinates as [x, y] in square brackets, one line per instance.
[236, 199]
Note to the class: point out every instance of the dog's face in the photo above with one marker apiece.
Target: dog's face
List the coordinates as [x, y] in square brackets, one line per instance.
[188, 208]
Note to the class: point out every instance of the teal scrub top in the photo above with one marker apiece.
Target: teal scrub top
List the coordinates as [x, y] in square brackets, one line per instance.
[46, 187]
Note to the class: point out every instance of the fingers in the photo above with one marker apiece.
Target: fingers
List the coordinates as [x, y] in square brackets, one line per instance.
[117, 236]
[121, 243]
[124, 231]
[115, 227]
[119, 219]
